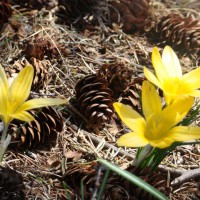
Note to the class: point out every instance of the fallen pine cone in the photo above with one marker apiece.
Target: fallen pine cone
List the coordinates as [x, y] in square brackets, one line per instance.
[132, 94]
[94, 100]
[131, 13]
[5, 12]
[41, 72]
[179, 31]
[116, 187]
[40, 132]
[117, 75]
[11, 185]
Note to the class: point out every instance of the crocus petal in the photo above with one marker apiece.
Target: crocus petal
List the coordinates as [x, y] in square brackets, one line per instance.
[194, 93]
[151, 77]
[162, 142]
[21, 86]
[171, 62]
[3, 77]
[169, 98]
[172, 115]
[192, 79]
[3, 97]
[184, 133]
[23, 116]
[38, 103]
[130, 117]
[151, 102]
[132, 139]
[160, 69]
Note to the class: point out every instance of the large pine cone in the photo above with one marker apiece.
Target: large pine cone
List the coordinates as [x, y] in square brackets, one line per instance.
[117, 75]
[179, 31]
[117, 187]
[131, 13]
[94, 100]
[5, 11]
[79, 12]
[41, 70]
[132, 94]
[11, 185]
[39, 132]
[36, 4]
[155, 179]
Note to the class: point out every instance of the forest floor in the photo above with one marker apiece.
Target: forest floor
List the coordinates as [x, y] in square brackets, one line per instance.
[55, 171]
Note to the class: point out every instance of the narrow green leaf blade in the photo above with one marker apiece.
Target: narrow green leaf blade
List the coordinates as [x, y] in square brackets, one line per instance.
[134, 179]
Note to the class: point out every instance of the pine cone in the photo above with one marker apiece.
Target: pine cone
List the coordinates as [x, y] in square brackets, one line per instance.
[117, 187]
[5, 12]
[11, 185]
[132, 13]
[84, 13]
[36, 4]
[117, 75]
[155, 179]
[132, 94]
[76, 173]
[41, 68]
[35, 134]
[94, 100]
[179, 31]
[41, 48]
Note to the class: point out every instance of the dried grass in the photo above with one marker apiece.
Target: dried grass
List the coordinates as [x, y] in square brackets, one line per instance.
[43, 169]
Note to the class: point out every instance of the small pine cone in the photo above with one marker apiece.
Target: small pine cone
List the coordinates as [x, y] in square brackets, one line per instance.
[11, 185]
[42, 130]
[132, 13]
[94, 100]
[76, 173]
[132, 94]
[179, 31]
[41, 48]
[41, 68]
[117, 75]
[5, 11]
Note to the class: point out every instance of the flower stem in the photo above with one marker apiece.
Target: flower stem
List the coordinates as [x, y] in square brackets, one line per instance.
[5, 130]
[142, 155]
[5, 141]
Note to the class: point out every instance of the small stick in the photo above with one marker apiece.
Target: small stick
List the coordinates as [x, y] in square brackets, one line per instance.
[186, 175]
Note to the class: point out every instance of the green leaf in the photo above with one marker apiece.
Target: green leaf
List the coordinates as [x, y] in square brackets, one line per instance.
[103, 185]
[134, 179]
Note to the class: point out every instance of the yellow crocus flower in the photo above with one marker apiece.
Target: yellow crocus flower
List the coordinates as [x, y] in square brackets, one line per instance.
[13, 97]
[168, 76]
[158, 126]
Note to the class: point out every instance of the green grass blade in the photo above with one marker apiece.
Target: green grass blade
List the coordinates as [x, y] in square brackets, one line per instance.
[82, 189]
[134, 179]
[103, 185]
[66, 191]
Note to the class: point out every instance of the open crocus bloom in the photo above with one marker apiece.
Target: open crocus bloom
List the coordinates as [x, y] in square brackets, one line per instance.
[158, 126]
[169, 76]
[13, 98]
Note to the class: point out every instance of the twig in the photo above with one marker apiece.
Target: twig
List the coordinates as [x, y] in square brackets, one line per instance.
[173, 171]
[182, 175]
[186, 175]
